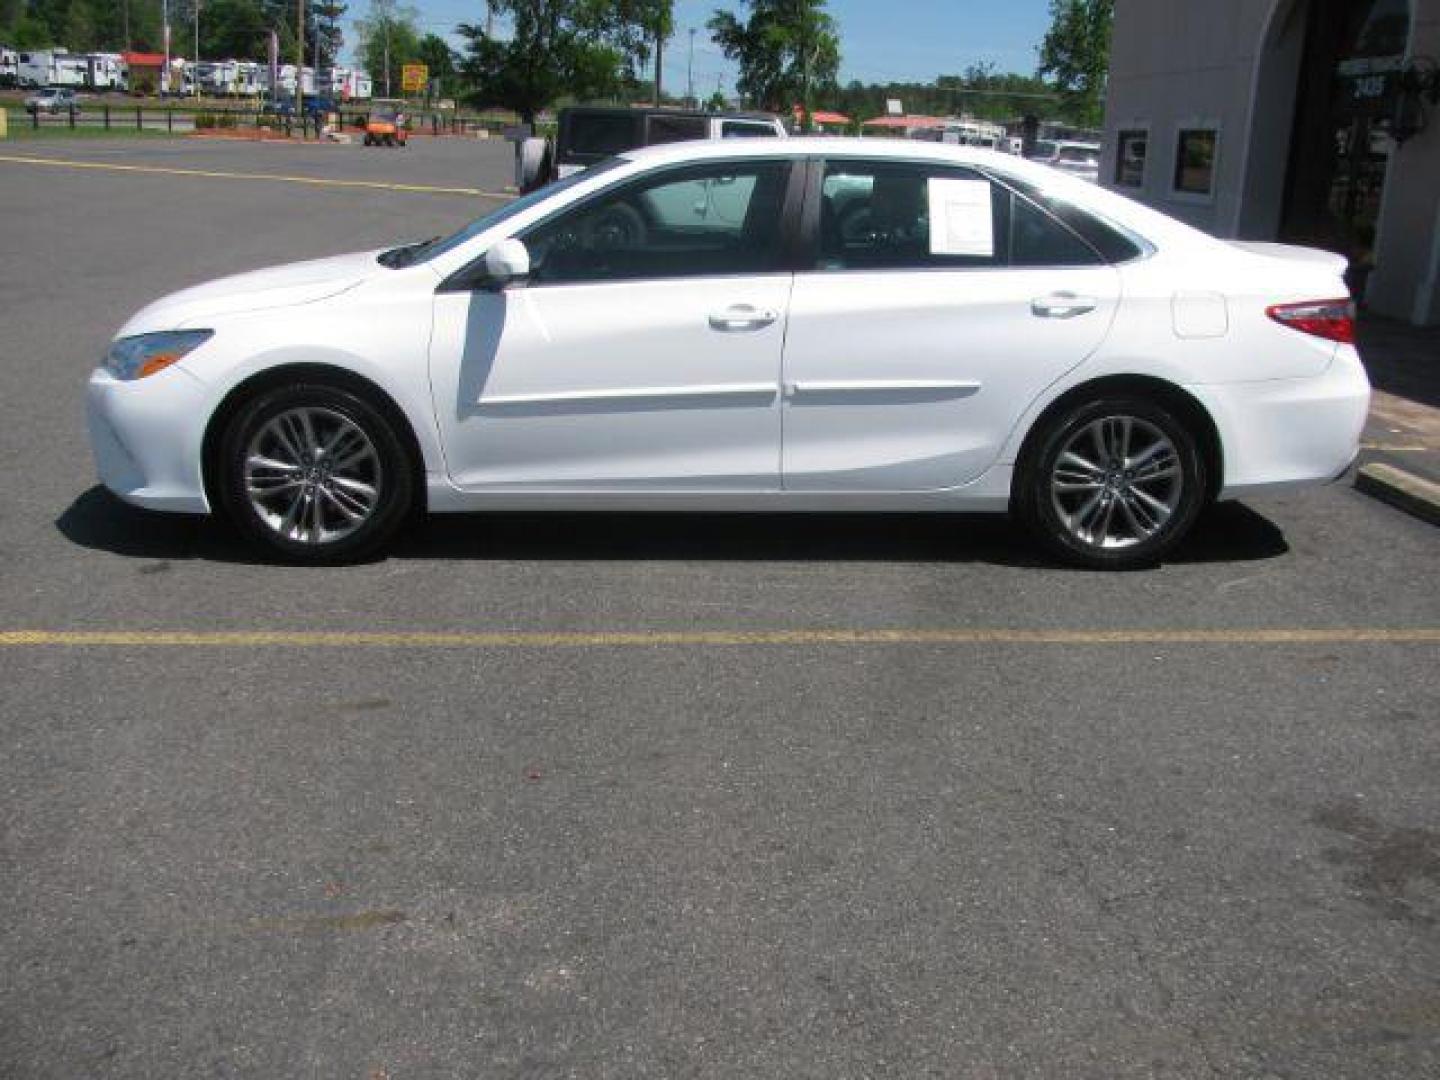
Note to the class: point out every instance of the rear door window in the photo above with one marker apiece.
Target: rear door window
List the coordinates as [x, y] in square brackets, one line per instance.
[923, 216]
[595, 136]
[746, 129]
[668, 129]
[897, 215]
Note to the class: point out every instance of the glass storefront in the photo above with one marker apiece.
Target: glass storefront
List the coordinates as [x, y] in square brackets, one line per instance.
[1341, 144]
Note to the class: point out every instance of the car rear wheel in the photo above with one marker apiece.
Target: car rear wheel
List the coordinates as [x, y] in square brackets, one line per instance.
[1113, 483]
[315, 474]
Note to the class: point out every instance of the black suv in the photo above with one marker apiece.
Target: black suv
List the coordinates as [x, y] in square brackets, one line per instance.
[591, 133]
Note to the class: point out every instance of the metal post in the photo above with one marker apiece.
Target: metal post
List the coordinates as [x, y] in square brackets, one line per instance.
[139, 120]
[72, 117]
[690, 72]
[300, 63]
[170, 121]
[195, 78]
[106, 109]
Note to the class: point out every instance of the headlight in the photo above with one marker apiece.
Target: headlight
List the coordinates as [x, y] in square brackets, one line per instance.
[145, 354]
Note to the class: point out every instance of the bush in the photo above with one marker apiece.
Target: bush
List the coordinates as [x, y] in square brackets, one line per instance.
[204, 121]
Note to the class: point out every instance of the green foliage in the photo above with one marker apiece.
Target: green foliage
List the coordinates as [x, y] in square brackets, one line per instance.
[327, 38]
[436, 55]
[389, 39]
[787, 50]
[229, 29]
[582, 49]
[980, 92]
[1076, 56]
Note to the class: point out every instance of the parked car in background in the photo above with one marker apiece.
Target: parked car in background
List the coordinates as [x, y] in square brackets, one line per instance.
[54, 99]
[588, 134]
[1080, 159]
[688, 327]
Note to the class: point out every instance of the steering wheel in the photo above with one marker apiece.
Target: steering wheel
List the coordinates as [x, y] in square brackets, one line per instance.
[618, 227]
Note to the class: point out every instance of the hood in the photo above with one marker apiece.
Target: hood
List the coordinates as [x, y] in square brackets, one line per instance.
[276, 287]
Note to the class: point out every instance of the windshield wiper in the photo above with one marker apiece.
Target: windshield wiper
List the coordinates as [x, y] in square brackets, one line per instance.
[405, 254]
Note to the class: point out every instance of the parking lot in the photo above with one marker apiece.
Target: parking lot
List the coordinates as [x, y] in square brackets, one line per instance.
[628, 795]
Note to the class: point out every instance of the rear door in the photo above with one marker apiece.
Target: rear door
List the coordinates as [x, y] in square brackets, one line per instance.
[941, 303]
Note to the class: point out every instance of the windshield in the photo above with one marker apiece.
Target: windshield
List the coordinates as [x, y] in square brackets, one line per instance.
[384, 112]
[433, 248]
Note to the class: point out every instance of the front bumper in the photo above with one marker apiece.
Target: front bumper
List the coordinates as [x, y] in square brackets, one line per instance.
[146, 437]
[1288, 433]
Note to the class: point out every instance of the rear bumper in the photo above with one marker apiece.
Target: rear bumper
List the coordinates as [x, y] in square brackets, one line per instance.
[1288, 433]
[146, 438]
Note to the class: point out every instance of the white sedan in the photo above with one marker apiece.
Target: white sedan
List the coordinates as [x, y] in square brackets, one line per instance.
[750, 325]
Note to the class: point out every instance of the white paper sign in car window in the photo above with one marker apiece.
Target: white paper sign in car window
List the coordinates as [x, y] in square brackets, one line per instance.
[962, 221]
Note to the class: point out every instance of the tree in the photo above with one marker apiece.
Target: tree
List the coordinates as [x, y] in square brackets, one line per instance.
[389, 39]
[580, 48]
[787, 50]
[652, 22]
[439, 58]
[230, 30]
[1076, 56]
[328, 38]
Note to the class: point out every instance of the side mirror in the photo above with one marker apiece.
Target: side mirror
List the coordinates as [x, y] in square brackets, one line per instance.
[507, 262]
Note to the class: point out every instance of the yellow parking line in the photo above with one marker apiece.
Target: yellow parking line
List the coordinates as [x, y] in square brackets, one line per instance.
[316, 181]
[304, 639]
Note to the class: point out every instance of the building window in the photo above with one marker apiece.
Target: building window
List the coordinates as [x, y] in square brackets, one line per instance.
[1130, 158]
[1195, 161]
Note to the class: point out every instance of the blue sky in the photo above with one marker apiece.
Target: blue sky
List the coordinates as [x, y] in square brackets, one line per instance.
[880, 40]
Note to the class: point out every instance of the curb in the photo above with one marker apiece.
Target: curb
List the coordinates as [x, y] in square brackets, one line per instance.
[1413, 494]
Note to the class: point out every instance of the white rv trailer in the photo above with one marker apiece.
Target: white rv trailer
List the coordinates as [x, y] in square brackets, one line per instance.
[106, 71]
[286, 84]
[9, 67]
[346, 84]
[52, 67]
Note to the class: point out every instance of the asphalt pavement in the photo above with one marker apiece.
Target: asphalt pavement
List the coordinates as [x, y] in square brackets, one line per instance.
[678, 796]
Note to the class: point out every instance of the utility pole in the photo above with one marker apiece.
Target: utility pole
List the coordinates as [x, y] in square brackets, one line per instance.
[659, 50]
[195, 71]
[125, 33]
[690, 72]
[300, 62]
[165, 32]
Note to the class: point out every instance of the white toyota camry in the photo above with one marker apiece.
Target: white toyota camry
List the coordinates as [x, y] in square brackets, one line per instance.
[750, 325]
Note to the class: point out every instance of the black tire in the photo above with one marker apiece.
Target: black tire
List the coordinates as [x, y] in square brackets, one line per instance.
[391, 475]
[1056, 516]
[369, 141]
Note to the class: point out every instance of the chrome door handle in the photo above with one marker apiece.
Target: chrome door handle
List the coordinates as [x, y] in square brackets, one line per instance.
[742, 317]
[1062, 305]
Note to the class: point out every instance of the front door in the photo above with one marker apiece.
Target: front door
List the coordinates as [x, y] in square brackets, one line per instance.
[941, 305]
[643, 353]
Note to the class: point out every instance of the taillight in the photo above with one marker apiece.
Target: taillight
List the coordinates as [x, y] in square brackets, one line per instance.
[1333, 320]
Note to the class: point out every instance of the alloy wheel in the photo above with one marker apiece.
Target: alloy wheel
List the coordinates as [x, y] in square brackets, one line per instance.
[312, 475]
[1116, 482]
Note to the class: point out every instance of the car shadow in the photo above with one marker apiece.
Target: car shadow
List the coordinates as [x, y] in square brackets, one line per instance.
[1230, 532]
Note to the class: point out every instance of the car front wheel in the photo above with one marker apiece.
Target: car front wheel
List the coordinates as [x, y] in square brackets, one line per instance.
[315, 474]
[1113, 483]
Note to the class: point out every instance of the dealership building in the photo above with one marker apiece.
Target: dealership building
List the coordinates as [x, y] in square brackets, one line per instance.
[1303, 121]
